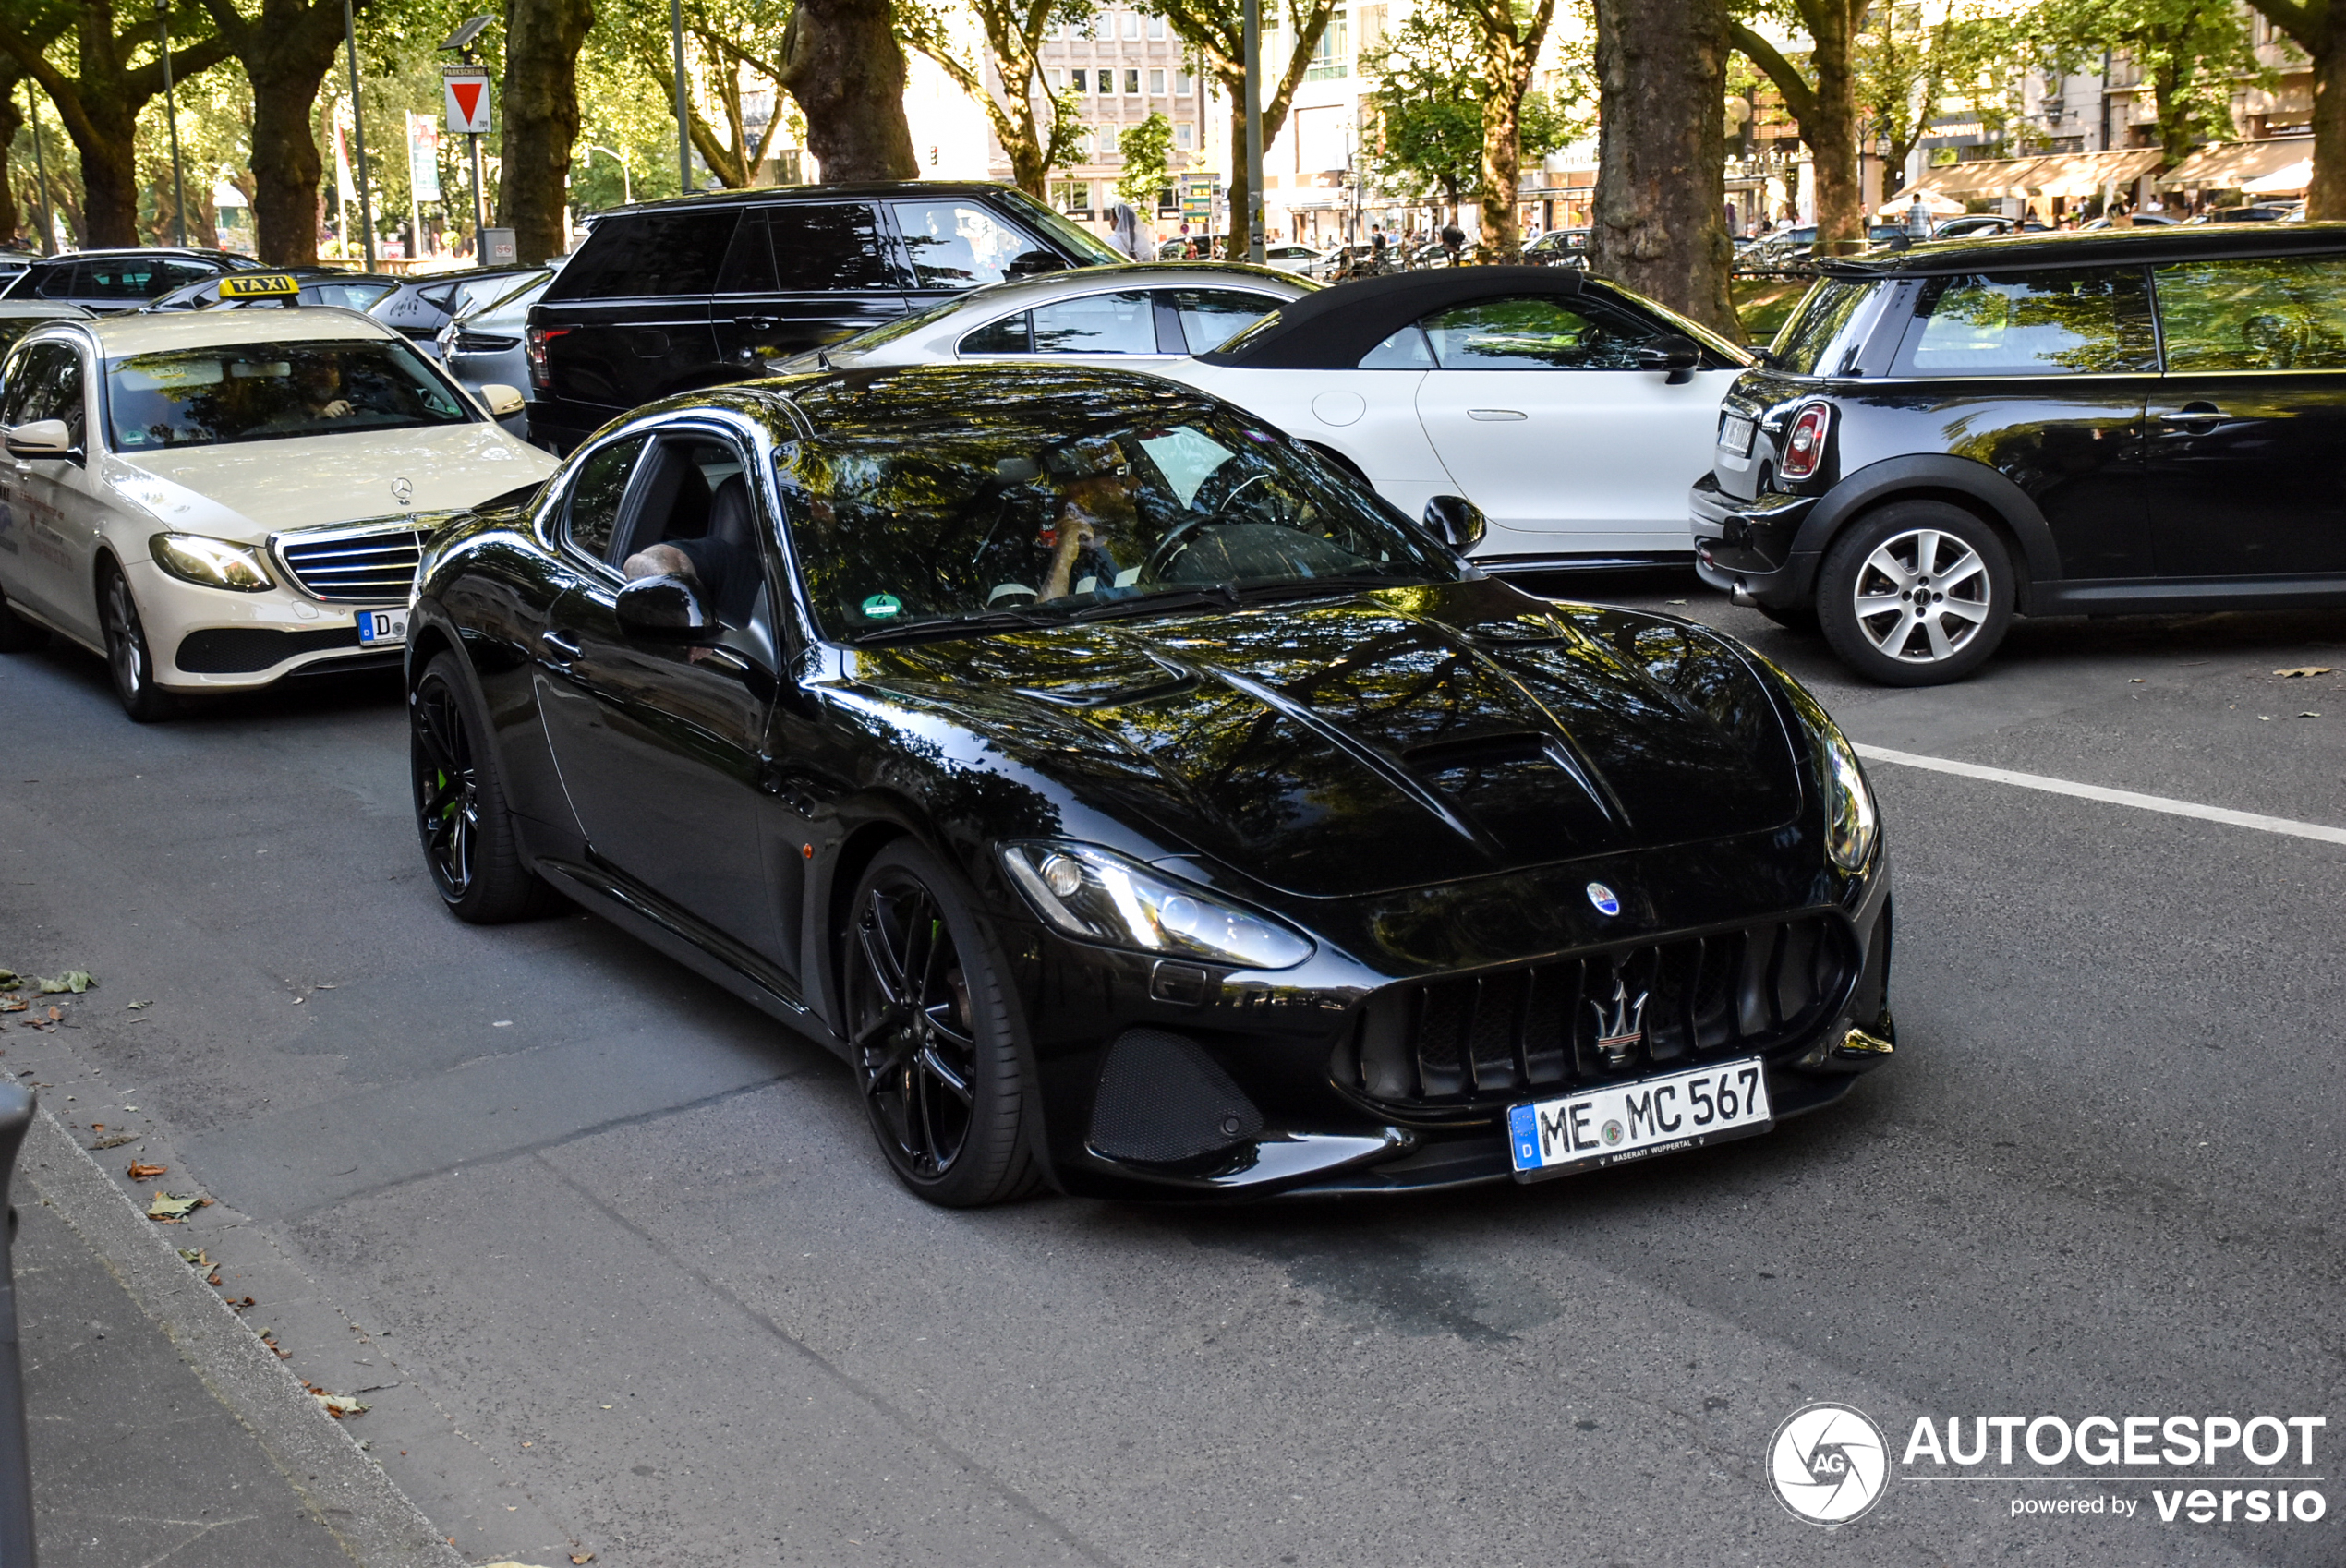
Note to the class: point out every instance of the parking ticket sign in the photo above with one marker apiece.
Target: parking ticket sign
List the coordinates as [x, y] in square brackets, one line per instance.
[467, 89]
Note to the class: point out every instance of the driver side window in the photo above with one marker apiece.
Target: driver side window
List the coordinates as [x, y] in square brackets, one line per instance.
[592, 521]
[44, 383]
[1535, 332]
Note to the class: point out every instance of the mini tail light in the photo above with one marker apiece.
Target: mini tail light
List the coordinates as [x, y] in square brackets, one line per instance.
[1804, 443]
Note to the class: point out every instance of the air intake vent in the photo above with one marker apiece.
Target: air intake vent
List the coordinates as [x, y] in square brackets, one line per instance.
[354, 566]
[1162, 1100]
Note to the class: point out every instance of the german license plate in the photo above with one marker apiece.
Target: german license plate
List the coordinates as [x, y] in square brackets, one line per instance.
[1635, 1121]
[1735, 435]
[377, 627]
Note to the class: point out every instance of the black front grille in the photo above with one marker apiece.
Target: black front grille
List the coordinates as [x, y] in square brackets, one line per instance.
[376, 567]
[1477, 1042]
[240, 650]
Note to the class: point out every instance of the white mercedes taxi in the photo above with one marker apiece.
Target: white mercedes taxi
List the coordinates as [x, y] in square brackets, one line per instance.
[216, 501]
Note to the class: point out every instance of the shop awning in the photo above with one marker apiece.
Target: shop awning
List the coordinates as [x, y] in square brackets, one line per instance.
[2232, 165]
[2057, 174]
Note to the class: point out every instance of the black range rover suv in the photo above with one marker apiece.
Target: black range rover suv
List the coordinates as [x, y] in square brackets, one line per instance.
[674, 295]
[2128, 420]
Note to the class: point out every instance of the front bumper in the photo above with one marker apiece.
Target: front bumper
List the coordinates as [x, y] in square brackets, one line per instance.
[209, 640]
[1182, 1081]
[1746, 547]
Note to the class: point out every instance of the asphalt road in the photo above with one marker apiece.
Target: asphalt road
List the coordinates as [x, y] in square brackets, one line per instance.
[617, 1267]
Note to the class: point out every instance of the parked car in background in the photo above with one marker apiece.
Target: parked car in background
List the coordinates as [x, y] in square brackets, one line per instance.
[1137, 317]
[485, 346]
[104, 281]
[1305, 259]
[214, 500]
[426, 304]
[705, 289]
[1559, 247]
[2257, 213]
[319, 285]
[1986, 225]
[2135, 419]
[14, 261]
[1139, 807]
[19, 316]
[1572, 412]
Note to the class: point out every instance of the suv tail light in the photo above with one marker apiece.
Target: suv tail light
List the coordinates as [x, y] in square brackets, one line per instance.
[538, 338]
[1804, 443]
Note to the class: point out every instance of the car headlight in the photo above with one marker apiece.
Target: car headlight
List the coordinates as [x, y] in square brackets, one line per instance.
[213, 564]
[1100, 896]
[1852, 824]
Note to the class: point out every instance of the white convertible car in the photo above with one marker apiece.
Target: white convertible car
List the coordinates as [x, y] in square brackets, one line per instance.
[1573, 413]
[216, 501]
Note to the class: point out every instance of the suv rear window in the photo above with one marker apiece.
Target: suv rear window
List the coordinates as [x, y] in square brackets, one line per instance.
[642, 255]
[2082, 322]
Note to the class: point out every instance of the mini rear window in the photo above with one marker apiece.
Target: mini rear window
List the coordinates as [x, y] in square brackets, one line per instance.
[1817, 325]
[647, 255]
[2070, 322]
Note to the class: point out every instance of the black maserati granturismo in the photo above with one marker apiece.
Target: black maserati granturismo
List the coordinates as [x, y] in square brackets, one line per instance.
[1137, 803]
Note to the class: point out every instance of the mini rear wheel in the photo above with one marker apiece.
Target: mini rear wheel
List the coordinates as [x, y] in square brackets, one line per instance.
[468, 836]
[929, 1018]
[1917, 593]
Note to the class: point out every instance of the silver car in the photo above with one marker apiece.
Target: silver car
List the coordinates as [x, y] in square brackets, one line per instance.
[1143, 316]
[485, 346]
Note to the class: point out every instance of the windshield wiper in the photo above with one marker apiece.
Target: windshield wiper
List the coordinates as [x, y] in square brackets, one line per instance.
[957, 626]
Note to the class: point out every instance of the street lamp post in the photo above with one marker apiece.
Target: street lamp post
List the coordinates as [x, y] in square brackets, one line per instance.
[359, 138]
[626, 184]
[683, 126]
[1253, 151]
[171, 109]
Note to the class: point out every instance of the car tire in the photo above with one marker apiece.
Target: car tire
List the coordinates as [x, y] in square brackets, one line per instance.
[129, 657]
[467, 829]
[1873, 573]
[17, 634]
[932, 1030]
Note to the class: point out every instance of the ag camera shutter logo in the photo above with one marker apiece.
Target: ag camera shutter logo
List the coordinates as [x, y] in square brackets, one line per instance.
[1828, 1464]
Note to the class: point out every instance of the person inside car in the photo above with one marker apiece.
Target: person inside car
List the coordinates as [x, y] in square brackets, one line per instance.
[1097, 506]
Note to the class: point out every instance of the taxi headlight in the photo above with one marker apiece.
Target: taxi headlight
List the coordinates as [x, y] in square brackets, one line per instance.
[213, 564]
[1852, 824]
[1101, 896]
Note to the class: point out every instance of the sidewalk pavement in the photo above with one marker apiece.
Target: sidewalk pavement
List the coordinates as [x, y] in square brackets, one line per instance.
[163, 1431]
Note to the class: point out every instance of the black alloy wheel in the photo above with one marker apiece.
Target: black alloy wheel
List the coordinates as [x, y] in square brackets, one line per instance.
[127, 656]
[17, 634]
[1915, 594]
[929, 1021]
[468, 836]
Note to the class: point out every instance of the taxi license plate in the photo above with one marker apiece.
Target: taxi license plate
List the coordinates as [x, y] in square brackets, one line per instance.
[377, 627]
[1635, 1121]
[1735, 435]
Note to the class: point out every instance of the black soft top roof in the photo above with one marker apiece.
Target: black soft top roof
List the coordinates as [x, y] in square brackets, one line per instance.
[1331, 329]
[2095, 248]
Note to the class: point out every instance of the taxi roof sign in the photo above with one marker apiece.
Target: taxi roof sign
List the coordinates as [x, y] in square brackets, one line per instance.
[259, 285]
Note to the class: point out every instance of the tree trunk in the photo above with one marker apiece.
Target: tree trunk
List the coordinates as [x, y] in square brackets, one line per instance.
[2326, 198]
[1661, 224]
[842, 61]
[542, 38]
[1240, 243]
[1502, 165]
[285, 163]
[1831, 130]
[11, 121]
[110, 176]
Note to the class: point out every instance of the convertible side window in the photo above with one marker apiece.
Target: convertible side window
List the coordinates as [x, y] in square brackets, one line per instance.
[596, 496]
[1212, 316]
[1536, 333]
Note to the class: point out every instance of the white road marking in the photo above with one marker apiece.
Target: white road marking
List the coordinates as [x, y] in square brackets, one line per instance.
[2112, 797]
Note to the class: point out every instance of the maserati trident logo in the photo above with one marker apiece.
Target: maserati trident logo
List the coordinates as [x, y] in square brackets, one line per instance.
[401, 490]
[1605, 899]
[1621, 1023]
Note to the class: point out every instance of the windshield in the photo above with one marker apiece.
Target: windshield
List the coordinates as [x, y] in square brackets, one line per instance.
[997, 525]
[529, 283]
[1080, 240]
[266, 390]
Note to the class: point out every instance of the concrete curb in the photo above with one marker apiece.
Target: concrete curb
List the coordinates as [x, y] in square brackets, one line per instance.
[347, 1491]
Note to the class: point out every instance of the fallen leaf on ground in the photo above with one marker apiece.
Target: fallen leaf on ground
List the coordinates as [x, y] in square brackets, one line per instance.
[56, 1014]
[337, 1405]
[141, 1171]
[135, 1007]
[2302, 671]
[14, 1007]
[195, 1258]
[2309, 715]
[74, 980]
[171, 1210]
[576, 1557]
[8, 977]
[116, 1142]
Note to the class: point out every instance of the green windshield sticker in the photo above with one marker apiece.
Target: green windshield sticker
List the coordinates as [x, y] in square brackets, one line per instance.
[879, 607]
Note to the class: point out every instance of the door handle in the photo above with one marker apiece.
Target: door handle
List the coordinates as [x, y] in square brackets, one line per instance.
[758, 323]
[2193, 415]
[1495, 415]
[563, 645]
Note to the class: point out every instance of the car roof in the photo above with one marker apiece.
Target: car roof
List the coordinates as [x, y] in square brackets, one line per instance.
[55, 309]
[165, 332]
[1331, 329]
[110, 252]
[761, 195]
[893, 403]
[2099, 248]
[1050, 285]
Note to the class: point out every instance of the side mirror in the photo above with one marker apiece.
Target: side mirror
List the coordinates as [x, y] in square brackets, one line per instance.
[41, 438]
[1673, 352]
[1029, 263]
[665, 609]
[501, 399]
[1459, 521]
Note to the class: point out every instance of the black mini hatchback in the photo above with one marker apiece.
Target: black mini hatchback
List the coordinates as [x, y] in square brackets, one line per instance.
[1947, 436]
